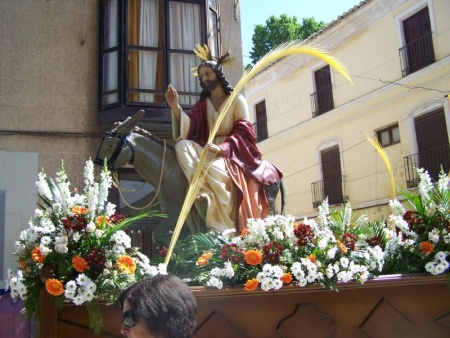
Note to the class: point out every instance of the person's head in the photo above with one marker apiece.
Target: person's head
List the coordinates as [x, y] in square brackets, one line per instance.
[210, 75]
[162, 307]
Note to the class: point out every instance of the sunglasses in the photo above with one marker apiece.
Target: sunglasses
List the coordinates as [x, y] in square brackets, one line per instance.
[128, 319]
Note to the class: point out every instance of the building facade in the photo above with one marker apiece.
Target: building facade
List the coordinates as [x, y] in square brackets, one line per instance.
[70, 69]
[314, 124]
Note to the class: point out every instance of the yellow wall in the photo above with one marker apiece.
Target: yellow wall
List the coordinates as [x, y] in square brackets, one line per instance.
[367, 40]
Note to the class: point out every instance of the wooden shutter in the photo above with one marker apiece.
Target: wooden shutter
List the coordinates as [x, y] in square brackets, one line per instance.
[432, 142]
[323, 89]
[417, 31]
[261, 121]
[332, 175]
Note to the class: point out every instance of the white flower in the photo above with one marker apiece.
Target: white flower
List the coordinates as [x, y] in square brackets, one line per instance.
[228, 270]
[397, 207]
[331, 253]
[215, 283]
[443, 183]
[61, 244]
[344, 262]
[91, 227]
[433, 236]
[425, 184]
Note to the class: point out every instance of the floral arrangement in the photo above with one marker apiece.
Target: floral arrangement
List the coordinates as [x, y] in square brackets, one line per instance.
[335, 247]
[277, 251]
[75, 247]
[420, 228]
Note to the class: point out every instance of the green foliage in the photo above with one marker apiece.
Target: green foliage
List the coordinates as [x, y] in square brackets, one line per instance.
[278, 30]
[95, 317]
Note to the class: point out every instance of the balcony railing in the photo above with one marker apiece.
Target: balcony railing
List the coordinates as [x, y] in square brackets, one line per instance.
[322, 101]
[417, 54]
[431, 160]
[332, 187]
[260, 129]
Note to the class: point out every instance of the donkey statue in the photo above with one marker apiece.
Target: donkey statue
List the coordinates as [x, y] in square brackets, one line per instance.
[156, 164]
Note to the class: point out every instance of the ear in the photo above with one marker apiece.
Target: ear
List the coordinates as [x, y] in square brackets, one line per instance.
[129, 123]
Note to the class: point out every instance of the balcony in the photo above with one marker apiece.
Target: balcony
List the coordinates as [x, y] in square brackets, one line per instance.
[431, 160]
[417, 54]
[322, 101]
[332, 187]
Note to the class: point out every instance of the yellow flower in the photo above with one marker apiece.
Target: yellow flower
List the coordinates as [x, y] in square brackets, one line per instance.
[79, 210]
[101, 220]
[251, 284]
[312, 258]
[253, 257]
[342, 247]
[126, 263]
[204, 259]
[54, 287]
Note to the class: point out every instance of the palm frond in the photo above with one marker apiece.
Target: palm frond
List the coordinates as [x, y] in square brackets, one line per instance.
[286, 49]
[386, 161]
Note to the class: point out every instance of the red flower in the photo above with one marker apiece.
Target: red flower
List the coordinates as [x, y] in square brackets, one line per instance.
[304, 234]
[426, 247]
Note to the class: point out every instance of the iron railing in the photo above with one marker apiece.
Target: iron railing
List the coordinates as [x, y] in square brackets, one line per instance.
[332, 187]
[432, 160]
[322, 101]
[417, 54]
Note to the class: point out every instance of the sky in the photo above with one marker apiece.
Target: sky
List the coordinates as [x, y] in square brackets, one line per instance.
[256, 12]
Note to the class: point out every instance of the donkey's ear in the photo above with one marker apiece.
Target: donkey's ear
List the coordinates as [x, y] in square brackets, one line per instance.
[130, 122]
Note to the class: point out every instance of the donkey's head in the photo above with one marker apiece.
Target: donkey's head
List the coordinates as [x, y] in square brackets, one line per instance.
[115, 147]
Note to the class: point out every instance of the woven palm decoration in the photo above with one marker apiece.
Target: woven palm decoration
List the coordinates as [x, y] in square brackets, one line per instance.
[204, 53]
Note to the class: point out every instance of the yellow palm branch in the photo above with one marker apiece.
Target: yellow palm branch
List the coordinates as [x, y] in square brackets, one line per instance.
[374, 142]
[286, 49]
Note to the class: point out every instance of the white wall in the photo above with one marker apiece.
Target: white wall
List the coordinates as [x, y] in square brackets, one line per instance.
[18, 176]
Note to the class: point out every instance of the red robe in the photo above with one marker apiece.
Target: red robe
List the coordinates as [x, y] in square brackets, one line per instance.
[244, 163]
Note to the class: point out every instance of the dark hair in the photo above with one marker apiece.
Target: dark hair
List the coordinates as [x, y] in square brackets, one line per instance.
[217, 69]
[165, 303]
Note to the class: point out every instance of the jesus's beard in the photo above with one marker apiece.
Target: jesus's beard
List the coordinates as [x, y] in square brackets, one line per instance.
[212, 85]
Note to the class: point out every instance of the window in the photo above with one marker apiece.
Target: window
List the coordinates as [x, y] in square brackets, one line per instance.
[332, 186]
[322, 99]
[389, 136]
[146, 45]
[418, 50]
[432, 145]
[261, 121]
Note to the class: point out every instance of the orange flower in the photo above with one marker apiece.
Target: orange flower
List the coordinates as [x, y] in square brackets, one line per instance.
[54, 287]
[37, 256]
[426, 248]
[244, 232]
[101, 220]
[79, 263]
[342, 247]
[126, 263]
[286, 278]
[253, 257]
[204, 259]
[79, 210]
[251, 284]
[312, 258]
[23, 264]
